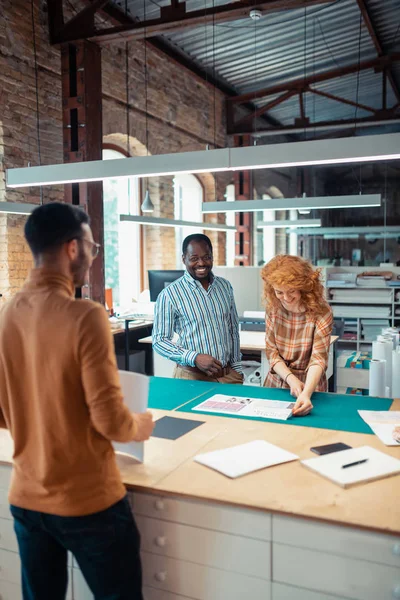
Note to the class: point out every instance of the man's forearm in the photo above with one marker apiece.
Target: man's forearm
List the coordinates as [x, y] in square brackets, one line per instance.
[168, 349]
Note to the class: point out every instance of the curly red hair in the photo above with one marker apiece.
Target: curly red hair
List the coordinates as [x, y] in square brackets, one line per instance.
[293, 272]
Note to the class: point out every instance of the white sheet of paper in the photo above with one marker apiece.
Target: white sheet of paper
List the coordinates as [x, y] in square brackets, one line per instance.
[378, 466]
[135, 388]
[245, 458]
[384, 431]
[382, 423]
[6, 446]
[380, 416]
[249, 407]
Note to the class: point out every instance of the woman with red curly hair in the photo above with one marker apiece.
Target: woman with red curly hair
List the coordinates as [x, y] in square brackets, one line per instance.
[298, 329]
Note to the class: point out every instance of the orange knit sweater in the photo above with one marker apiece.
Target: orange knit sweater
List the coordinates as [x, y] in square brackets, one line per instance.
[61, 399]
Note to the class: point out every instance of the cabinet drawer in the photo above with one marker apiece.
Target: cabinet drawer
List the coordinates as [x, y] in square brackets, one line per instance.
[10, 567]
[205, 547]
[4, 505]
[343, 541]
[8, 541]
[331, 574]
[80, 589]
[200, 582]
[155, 594]
[248, 523]
[10, 591]
[5, 476]
[281, 591]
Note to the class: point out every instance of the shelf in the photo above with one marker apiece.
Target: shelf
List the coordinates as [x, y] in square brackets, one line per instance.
[362, 287]
[385, 302]
[348, 317]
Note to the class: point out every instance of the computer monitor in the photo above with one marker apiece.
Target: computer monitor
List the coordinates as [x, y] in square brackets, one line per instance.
[158, 280]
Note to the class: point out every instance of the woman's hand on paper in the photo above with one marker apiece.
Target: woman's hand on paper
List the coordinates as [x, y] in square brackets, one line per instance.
[396, 434]
[296, 386]
[303, 405]
[144, 426]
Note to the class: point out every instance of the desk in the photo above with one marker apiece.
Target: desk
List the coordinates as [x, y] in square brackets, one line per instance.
[138, 326]
[253, 341]
[279, 533]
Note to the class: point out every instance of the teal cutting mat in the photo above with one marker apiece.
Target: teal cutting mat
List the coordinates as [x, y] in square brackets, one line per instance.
[167, 394]
[331, 411]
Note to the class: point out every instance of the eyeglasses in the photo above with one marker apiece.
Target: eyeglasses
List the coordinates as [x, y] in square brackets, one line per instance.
[95, 247]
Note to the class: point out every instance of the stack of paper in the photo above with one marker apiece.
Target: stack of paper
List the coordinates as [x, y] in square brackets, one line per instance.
[357, 465]
[135, 388]
[245, 458]
[249, 407]
[382, 423]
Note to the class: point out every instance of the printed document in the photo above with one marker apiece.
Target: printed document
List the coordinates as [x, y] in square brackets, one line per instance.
[247, 407]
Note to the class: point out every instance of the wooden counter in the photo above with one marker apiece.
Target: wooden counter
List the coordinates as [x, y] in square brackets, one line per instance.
[278, 533]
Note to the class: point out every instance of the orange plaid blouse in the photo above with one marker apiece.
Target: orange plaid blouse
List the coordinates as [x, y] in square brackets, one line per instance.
[300, 341]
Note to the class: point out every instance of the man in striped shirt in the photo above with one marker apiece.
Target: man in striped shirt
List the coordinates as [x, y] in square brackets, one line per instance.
[201, 309]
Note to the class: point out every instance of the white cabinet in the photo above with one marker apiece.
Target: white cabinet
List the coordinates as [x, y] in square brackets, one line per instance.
[10, 567]
[150, 593]
[193, 550]
[203, 551]
[319, 561]
[236, 521]
[281, 591]
[343, 541]
[332, 574]
[210, 548]
[79, 586]
[8, 540]
[359, 305]
[200, 582]
[10, 591]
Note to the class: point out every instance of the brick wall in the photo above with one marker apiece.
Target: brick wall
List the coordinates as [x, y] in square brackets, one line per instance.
[180, 118]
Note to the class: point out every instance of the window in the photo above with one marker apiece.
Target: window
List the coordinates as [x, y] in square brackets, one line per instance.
[188, 198]
[230, 220]
[265, 238]
[121, 239]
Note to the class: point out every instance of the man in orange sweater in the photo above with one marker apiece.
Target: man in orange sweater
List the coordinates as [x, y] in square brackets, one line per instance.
[61, 399]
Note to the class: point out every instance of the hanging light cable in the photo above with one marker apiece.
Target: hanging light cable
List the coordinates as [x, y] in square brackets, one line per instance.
[147, 205]
[127, 88]
[36, 92]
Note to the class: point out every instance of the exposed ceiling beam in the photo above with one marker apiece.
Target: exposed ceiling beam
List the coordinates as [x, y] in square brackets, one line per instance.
[175, 18]
[376, 41]
[263, 109]
[116, 16]
[342, 100]
[318, 126]
[299, 84]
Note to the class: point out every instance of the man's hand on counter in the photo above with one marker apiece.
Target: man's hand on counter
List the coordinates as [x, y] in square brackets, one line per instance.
[145, 426]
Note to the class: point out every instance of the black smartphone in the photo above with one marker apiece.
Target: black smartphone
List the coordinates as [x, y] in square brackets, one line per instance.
[328, 448]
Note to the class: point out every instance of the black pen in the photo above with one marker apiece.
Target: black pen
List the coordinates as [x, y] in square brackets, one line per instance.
[358, 462]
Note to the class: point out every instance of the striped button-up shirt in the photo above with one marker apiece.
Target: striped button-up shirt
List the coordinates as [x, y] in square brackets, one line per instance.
[206, 322]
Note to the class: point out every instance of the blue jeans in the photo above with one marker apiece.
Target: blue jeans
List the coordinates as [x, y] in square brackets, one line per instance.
[105, 546]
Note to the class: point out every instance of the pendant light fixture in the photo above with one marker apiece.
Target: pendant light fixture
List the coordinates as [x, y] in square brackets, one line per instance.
[318, 203]
[289, 224]
[147, 205]
[372, 148]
